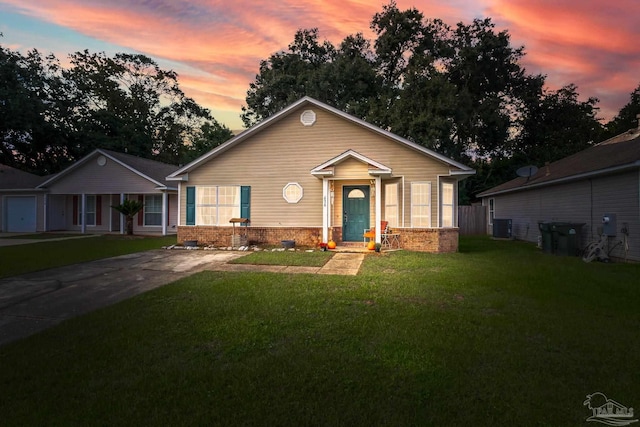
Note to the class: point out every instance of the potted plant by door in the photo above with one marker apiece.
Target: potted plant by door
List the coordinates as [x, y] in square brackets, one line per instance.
[378, 246]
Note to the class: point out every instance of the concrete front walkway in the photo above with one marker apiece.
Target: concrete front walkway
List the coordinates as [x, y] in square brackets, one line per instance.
[346, 264]
[36, 301]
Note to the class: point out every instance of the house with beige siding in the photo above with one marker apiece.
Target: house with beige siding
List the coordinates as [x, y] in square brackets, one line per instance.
[598, 187]
[312, 173]
[80, 198]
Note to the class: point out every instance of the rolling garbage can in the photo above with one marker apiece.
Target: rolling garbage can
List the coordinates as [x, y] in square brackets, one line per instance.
[566, 237]
[545, 232]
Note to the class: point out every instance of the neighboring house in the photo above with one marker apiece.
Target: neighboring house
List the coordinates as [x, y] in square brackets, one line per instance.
[80, 198]
[312, 173]
[603, 180]
[20, 202]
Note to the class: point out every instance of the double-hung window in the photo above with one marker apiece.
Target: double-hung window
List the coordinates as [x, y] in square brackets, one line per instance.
[152, 209]
[448, 194]
[420, 204]
[391, 204]
[216, 205]
[90, 210]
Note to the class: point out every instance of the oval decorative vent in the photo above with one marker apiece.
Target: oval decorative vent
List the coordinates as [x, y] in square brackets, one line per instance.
[308, 117]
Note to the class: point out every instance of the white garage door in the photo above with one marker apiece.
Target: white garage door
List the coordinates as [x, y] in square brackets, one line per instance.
[21, 214]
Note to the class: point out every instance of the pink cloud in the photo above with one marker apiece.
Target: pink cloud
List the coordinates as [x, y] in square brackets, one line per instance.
[220, 45]
[216, 47]
[582, 42]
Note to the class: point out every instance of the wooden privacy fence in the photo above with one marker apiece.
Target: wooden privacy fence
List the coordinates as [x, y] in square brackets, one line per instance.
[472, 220]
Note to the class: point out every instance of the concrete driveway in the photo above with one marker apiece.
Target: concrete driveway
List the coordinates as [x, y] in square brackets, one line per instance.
[33, 302]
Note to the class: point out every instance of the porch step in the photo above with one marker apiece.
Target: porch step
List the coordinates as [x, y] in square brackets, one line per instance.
[352, 244]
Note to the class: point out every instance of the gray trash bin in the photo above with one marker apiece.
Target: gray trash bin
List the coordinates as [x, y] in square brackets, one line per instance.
[566, 237]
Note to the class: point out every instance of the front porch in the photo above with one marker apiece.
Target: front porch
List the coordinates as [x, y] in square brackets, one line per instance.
[94, 213]
[433, 240]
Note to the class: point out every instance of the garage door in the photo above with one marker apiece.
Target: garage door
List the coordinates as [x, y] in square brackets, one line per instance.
[21, 214]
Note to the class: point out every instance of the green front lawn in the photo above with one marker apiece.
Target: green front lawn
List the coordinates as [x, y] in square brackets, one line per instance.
[43, 236]
[498, 334]
[295, 258]
[20, 259]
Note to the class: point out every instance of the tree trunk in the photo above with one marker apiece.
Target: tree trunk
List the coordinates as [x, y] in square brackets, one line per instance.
[129, 225]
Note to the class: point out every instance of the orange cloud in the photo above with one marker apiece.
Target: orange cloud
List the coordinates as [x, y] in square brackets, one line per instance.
[216, 47]
[582, 42]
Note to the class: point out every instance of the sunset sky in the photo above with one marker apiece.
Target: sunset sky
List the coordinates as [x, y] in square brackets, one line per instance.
[216, 46]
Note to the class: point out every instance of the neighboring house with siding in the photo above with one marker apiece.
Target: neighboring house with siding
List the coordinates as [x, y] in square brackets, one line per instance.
[21, 203]
[312, 173]
[601, 180]
[80, 198]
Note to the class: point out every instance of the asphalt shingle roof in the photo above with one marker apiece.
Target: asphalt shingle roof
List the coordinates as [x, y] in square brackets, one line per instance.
[151, 168]
[617, 152]
[15, 179]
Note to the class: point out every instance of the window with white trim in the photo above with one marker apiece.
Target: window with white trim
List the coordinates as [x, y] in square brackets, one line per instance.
[216, 205]
[391, 204]
[90, 207]
[152, 209]
[448, 194]
[292, 192]
[420, 204]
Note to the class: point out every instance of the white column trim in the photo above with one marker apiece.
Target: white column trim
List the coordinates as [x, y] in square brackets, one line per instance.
[378, 209]
[178, 224]
[164, 213]
[83, 214]
[326, 203]
[46, 208]
[122, 218]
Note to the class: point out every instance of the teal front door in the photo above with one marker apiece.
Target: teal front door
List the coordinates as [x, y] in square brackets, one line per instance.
[355, 216]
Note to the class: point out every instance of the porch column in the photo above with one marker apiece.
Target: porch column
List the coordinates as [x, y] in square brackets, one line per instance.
[326, 209]
[164, 213]
[378, 209]
[122, 219]
[46, 210]
[110, 214]
[83, 215]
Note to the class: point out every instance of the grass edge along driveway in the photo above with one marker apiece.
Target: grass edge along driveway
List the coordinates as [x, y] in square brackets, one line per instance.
[38, 256]
[498, 334]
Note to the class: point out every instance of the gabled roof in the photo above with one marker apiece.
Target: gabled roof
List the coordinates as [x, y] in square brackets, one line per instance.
[182, 173]
[15, 179]
[619, 153]
[151, 170]
[326, 169]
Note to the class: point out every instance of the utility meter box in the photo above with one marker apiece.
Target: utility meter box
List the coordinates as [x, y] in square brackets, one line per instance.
[609, 225]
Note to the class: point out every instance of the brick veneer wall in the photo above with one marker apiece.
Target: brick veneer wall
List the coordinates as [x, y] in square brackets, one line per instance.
[335, 234]
[435, 240]
[221, 236]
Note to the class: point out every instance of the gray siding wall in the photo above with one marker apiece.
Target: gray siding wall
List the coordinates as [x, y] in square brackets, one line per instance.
[62, 217]
[112, 178]
[585, 201]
